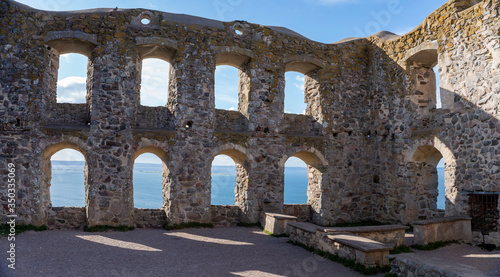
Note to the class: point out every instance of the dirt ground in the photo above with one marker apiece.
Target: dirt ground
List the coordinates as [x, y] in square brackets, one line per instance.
[236, 251]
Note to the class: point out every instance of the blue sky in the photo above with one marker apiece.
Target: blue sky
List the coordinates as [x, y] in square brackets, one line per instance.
[324, 21]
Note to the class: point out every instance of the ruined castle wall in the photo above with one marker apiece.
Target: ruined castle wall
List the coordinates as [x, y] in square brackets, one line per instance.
[371, 135]
[465, 131]
[112, 128]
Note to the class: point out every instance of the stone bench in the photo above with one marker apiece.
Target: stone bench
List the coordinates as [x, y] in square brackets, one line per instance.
[383, 233]
[303, 232]
[276, 223]
[365, 251]
[443, 229]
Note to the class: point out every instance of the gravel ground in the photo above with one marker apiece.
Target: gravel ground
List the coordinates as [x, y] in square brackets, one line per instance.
[233, 251]
[474, 257]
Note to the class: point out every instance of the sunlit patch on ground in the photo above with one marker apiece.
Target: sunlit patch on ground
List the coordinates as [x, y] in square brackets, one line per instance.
[118, 243]
[207, 239]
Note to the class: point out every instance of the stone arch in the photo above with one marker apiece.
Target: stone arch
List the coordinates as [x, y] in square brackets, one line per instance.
[232, 55]
[427, 154]
[308, 67]
[310, 155]
[425, 54]
[72, 42]
[423, 159]
[238, 58]
[302, 63]
[67, 42]
[75, 145]
[45, 203]
[317, 177]
[166, 178]
[243, 193]
[237, 152]
[420, 64]
[155, 47]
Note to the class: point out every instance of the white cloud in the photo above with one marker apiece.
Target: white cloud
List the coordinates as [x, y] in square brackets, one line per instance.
[65, 57]
[72, 90]
[300, 84]
[67, 155]
[232, 109]
[222, 160]
[226, 86]
[294, 93]
[227, 98]
[154, 83]
[148, 158]
[295, 162]
[72, 81]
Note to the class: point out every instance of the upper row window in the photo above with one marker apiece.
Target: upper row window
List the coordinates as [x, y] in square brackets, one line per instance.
[72, 78]
[154, 82]
[72, 84]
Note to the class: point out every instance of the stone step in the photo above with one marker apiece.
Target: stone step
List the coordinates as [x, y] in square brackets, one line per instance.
[361, 243]
[305, 226]
[364, 229]
[276, 223]
[411, 264]
[365, 251]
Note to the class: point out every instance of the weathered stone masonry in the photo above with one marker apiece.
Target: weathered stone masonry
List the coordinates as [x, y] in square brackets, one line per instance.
[371, 135]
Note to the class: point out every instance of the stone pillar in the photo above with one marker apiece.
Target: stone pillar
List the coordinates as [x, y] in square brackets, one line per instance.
[115, 96]
[191, 99]
[313, 95]
[423, 82]
[265, 110]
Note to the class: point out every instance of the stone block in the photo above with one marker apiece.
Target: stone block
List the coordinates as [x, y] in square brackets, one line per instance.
[276, 223]
[443, 229]
[365, 251]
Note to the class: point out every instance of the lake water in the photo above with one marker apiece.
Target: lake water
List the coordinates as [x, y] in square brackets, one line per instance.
[67, 187]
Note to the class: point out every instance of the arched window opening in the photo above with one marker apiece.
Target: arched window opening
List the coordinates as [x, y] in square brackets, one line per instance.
[147, 180]
[226, 87]
[427, 158]
[154, 82]
[72, 78]
[294, 93]
[296, 181]
[438, 88]
[67, 184]
[223, 181]
[441, 201]
[424, 74]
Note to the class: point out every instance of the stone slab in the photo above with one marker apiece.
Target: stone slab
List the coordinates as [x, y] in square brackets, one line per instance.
[441, 220]
[443, 229]
[363, 229]
[281, 216]
[411, 264]
[276, 223]
[361, 243]
[305, 226]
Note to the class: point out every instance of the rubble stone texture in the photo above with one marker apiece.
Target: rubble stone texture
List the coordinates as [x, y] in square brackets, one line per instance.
[371, 134]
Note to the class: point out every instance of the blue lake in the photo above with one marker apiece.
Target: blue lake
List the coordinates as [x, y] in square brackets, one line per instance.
[67, 187]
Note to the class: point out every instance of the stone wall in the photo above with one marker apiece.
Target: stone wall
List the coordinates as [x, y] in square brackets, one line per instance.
[150, 218]
[66, 218]
[225, 215]
[462, 39]
[303, 212]
[371, 135]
